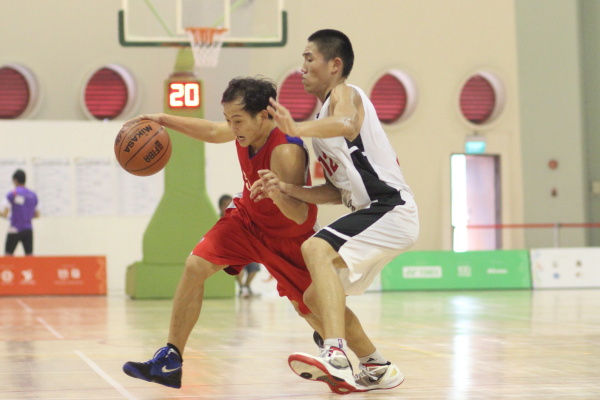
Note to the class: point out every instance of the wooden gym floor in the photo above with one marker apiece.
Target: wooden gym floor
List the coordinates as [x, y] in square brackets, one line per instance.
[450, 345]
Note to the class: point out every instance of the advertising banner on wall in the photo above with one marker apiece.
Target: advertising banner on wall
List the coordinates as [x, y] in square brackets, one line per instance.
[443, 270]
[52, 275]
[565, 267]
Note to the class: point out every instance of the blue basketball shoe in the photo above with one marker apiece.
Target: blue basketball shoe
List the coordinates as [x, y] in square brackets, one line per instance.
[163, 368]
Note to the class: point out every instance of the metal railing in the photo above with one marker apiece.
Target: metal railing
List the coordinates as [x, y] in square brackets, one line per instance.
[557, 226]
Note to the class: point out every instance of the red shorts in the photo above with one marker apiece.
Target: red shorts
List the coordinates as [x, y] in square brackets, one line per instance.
[235, 242]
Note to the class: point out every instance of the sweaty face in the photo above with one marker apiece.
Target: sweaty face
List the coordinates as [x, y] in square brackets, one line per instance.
[315, 70]
[247, 129]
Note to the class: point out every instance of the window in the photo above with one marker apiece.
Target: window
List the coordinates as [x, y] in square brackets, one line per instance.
[109, 93]
[293, 97]
[393, 96]
[481, 98]
[18, 91]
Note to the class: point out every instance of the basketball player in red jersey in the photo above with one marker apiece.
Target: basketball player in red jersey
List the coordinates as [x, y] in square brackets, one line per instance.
[270, 231]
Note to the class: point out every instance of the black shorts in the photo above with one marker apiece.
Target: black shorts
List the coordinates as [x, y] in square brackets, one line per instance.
[25, 237]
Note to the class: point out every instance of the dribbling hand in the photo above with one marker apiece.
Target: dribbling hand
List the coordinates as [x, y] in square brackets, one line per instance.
[151, 117]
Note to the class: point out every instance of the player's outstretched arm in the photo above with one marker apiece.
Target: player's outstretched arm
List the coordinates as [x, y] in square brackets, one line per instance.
[345, 117]
[319, 194]
[326, 193]
[200, 129]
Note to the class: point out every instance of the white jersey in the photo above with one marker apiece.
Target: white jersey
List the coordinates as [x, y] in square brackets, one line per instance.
[365, 170]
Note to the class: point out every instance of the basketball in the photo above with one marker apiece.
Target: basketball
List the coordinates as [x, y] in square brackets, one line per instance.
[143, 148]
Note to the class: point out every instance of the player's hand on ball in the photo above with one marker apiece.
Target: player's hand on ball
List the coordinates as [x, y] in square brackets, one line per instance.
[152, 117]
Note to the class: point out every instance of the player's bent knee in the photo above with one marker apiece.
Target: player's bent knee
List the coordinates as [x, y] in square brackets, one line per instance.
[314, 247]
[305, 248]
[198, 268]
[317, 252]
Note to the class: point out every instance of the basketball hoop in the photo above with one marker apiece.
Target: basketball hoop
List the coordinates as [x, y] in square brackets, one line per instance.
[206, 44]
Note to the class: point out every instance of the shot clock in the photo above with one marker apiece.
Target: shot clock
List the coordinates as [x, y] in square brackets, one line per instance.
[184, 95]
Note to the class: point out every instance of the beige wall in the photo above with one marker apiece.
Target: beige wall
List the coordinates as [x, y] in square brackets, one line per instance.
[438, 43]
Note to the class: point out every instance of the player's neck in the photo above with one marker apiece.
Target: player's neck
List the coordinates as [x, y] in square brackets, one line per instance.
[266, 132]
[330, 88]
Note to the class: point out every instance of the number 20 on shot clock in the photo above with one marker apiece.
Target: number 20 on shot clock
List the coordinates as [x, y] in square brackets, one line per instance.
[184, 95]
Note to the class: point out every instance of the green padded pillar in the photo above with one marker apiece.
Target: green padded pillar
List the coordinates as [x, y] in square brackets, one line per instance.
[185, 212]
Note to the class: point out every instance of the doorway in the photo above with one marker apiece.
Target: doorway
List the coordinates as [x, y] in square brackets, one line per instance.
[476, 193]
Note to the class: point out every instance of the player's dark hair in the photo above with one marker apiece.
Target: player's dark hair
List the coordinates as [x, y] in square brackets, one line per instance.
[254, 92]
[19, 176]
[332, 44]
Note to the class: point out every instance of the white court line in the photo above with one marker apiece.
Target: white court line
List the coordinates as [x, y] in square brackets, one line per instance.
[105, 376]
[51, 329]
[25, 306]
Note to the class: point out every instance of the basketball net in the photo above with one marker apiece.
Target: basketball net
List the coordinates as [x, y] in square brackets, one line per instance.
[206, 43]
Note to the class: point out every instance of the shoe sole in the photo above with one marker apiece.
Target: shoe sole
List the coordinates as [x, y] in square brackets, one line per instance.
[134, 373]
[310, 369]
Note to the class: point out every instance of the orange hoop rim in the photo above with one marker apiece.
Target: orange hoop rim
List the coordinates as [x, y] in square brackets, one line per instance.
[205, 34]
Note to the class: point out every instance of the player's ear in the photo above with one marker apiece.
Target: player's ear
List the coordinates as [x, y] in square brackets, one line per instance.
[337, 64]
[264, 115]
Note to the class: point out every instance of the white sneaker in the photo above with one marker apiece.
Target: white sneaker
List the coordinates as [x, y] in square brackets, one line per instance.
[331, 367]
[378, 376]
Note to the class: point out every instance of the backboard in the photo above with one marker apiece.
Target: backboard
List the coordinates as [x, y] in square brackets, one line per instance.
[250, 23]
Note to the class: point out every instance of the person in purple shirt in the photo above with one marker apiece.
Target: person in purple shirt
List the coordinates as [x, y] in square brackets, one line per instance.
[22, 204]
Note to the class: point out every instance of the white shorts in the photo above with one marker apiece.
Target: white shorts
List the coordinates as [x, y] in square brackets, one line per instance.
[368, 239]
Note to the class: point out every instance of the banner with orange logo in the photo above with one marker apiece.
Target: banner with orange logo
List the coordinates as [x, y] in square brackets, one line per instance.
[52, 275]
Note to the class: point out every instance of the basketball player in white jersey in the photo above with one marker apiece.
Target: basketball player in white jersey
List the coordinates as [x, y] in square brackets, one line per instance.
[363, 172]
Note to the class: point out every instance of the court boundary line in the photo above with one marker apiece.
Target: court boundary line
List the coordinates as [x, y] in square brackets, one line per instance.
[105, 376]
[50, 328]
[24, 305]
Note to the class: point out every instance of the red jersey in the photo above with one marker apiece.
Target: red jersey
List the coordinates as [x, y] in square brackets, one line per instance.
[265, 214]
[259, 232]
